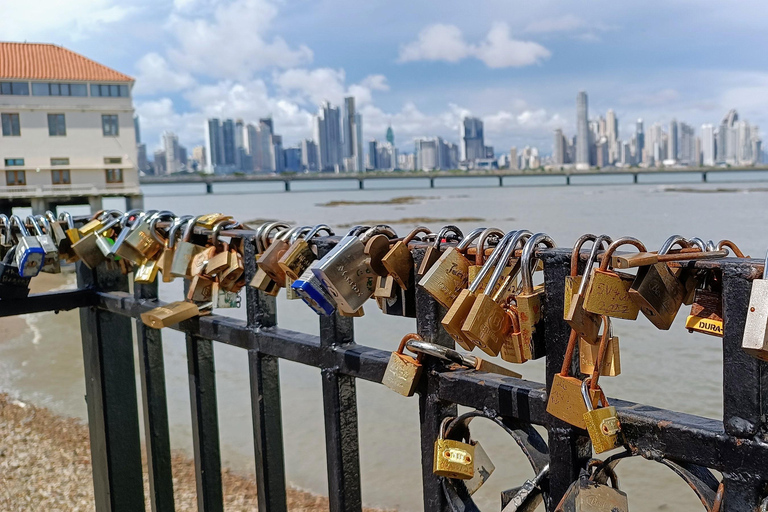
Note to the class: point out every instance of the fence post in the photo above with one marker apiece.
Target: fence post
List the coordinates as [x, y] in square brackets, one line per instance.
[432, 410]
[110, 392]
[265, 396]
[155, 403]
[342, 445]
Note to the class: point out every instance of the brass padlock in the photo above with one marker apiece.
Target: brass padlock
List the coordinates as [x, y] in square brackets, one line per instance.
[586, 324]
[141, 239]
[399, 261]
[268, 260]
[490, 235]
[403, 371]
[657, 291]
[603, 425]
[219, 262]
[707, 309]
[300, 254]
[607, 292]
[146, 272]
[565, 401]
[261, 280]
[453, 459]
[512, 349]
[170, 314]
[230, 277]
[588, 355]
[202, 289]
[587, 495]
[445, 280]
[453, 321]
[87, 249]
[185, 251]
[755, 339]
[166, 258]
[72, 236]
[97, 222]
[529, 299]
[434, 251]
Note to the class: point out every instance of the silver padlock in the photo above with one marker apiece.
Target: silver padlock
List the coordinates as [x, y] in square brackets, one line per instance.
[755, 339]
[309, 289]
[51, 262]
[29, 253]
[346, 270]
[54, 228]
[527, 493]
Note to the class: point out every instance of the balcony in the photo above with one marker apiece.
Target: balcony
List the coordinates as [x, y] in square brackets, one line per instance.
[32, 191]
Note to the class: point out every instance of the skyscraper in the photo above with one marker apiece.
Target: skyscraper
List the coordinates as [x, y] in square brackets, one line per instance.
[558, 150]
[640, 140]
[309, 157]
[228, 147]
[612, 133]
[513, 159]
[352, 134]
[472, 140]
[390, 135]
[214, 145]
[328, 137]
[582, 130]
[171, 150]
[672, 153]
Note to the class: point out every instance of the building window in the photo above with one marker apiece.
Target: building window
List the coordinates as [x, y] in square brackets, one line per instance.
[113, 160]
[109, 125]
[56, 125]
[114, 175]
[60, 177]
[15, 88]
[13, 161]
[56, 89]
[11, 125]
[115, 91]
[15, 178]
[59, 161]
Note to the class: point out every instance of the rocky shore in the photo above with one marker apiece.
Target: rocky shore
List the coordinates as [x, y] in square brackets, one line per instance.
[45, 464]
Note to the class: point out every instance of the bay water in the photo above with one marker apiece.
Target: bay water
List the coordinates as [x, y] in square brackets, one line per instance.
[42, 361]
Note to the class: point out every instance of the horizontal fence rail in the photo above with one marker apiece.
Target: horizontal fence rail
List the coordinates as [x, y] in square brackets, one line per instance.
[736, 446]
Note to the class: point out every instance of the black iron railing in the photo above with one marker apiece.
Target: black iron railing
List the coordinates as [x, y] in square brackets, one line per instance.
[692, 445]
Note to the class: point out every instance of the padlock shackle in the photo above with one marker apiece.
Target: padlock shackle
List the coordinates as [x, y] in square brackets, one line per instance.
[732, 246]
[406, 339]
[467, 240]
[443, 233]
[45, 223]
[301, 233]
[15, 219]
[35, 226]
[605, 338]
[265, 242]
[576, 252]
[317, 229]
[509, 249]
[514, 317]
[570, 349]
[174, 229]
[480, 251]
[416, 231]
[67, 217]
[378, 229]
[625, 240]
[599, 242]
[672, 241]
[491, 261]
[698, 242]
[526, 268]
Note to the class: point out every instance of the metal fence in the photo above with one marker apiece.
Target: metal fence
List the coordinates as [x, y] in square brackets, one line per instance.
[692, 445]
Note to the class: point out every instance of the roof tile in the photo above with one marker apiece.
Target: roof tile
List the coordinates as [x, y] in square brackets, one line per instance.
[40, 61]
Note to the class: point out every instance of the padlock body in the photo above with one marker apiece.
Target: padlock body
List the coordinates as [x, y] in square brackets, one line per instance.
[586, 324]
[453, 320]
[706, 313]
[454, 459]
[755, 339]
[447, 277]
[483, 470]
[608, 294]
[170, 314]
[566, 402]
[202, 289]
[512, 349]
[529, 312]
[572, 284]
[347, 274]
[182, 258]
[88, 251]
[268, 261]
[147, 272]
[603, 428]
[399, 264]
[142, 240]
[311, 291]
[297, 259]
[585, 495]
[402, 374]
[658, 294]
[487, 325]
[588, 358]
[12, 284]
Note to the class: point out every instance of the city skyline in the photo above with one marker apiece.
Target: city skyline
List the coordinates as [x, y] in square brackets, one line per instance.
[422, 69]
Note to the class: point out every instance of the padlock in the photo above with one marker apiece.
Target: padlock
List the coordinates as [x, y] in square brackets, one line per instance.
[97, 222]
[399, 260]
[229, 278]
[587, 495]
[6, 238]
[528, 494]
[261, 279]
[529, 298]
[300, 254]
[170, 314]
[185, 252]
[393, 300]
[489, 236]
[56, 231]
[12, 284]
[445, 280]
[202, 289]
[586, 324]
[209, 220]
[403, 371]
[346, 270]
[51, 262]
[487, 324]
[146, 272]
[565, 401]
[140, 238]
[119, 248]
[219, 262]
[311, 291]
[707, 308]
[453, 321]
[607, 291]
[603, 425]
[484, 468]
[453, 459]
[657, 291]
[434, 251]
[29, 254]
[169, 251]
[755, 338]
[268, 260]
[588, 354]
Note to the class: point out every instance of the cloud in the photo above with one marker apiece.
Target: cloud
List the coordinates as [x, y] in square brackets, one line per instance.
[45, 19]
[230, 40]
[566, 23]
[652, 99]
[155, 75]
[439, 42]
[326, 84]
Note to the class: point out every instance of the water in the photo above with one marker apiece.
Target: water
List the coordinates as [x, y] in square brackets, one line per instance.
[44, 364]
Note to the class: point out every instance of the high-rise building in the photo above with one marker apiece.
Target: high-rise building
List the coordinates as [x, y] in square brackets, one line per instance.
[309, 156]
[242, 157]
[559, 148]
[352, 135]
[171, 150]
[640, 141]
[293, 159]
[472, 140]
[708, 144]
[513, 165]
[198, 157]
[390, 135]
[228, 147]
[427, 154]
[386, 156]
[612, 133]
[278, 158]
[686, 145]
[582, 130]
[159, 162]
[672, 151]
[372, 154]
[141, 157]
[328, 137]
[601, 152]
[214, 146]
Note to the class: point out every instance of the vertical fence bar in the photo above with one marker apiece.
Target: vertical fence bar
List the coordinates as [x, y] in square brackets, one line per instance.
[154, 400]
[745, 389]
[569, 448]
[265, 397]
[110, 392]
[205, 421]
[342, 447]
[429, 313]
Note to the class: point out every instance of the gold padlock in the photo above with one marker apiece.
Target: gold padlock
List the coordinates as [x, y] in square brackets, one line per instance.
[445, 280]
[453, 459]
[300, 254]
[586, 324]
[403, 371]
[399, 261]
[603, 425]
[434, 251]
[170, 314]
[529, 299]
[608, 291]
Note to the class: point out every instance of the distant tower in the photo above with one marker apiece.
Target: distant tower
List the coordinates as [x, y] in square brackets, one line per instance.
[672, 153]
[582, 129]
[390, 135]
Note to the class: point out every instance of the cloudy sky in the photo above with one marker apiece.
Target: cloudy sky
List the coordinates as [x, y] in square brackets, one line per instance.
[420, 65]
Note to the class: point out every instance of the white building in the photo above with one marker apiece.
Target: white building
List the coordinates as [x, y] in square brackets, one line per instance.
[67, 129]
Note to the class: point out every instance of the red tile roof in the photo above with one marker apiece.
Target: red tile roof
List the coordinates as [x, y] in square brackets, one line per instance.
[39, 61]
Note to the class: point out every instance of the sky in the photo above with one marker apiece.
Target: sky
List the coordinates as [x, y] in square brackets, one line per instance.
[419, 65]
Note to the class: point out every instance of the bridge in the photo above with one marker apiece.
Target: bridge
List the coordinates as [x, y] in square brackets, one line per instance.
[497, 178]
